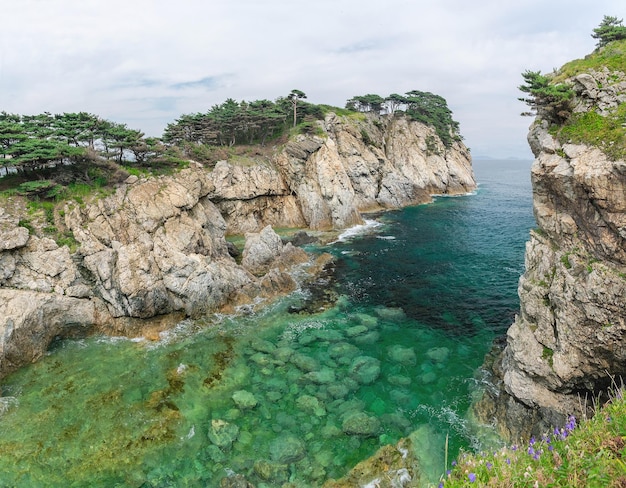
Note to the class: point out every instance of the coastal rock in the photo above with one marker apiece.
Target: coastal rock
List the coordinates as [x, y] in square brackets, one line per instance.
[30, 321]
[260, 250]
[569, 340]
[365, 369]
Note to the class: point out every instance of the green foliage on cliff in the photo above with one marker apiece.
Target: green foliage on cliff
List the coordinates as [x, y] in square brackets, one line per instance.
[611, 56]
[609, 30]
[591, 453]
[605, 132]
[424, 107]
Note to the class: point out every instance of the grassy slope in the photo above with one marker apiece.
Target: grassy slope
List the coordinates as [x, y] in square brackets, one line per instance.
[591, 453]
[606, 132]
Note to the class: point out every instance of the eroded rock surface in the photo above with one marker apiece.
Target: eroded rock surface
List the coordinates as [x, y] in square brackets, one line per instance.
[569, 339]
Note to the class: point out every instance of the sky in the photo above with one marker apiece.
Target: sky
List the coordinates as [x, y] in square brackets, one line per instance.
[147, 62]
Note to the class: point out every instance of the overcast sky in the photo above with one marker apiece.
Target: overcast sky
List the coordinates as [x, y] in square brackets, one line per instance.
[146, 62]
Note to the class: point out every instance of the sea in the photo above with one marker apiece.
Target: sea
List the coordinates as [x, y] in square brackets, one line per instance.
[292, 394]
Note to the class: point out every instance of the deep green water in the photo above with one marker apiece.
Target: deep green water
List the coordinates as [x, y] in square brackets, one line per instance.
[279, 396]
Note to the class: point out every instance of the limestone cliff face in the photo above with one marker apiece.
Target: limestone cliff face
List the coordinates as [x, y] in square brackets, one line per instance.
[570, 336]
[157, 245]
[354, 165]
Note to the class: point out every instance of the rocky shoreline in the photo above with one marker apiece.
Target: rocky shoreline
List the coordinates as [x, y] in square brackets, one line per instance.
[156, 248]
[568, 343]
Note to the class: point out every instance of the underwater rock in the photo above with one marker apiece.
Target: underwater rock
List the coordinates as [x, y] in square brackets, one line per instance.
[356, 330]
[365, 369]
[215, 454]
[402, 355]
[283, 353]
[304, 362]
[338, 390]
[222, 433]
[391, 314]
[321, 377]
[399, 380]
[244, 399]
[287, 449]
[438, 354]
[341, 350]
[368, 321]
[268, 471]
[369, 338]
[311, 404]
[235, 481]
[261, 345]
[359, 423]
[329, 335]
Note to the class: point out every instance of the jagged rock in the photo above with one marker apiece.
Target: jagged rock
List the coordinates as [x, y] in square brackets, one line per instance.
[390, 467]
[30, 321]
[14, 238]
[260, 250]
[569, 338]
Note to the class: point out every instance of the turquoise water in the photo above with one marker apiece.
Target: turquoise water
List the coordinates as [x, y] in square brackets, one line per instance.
[284, 397]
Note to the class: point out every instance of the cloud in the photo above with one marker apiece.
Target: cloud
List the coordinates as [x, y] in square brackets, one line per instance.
[208, 82]
[147, 62]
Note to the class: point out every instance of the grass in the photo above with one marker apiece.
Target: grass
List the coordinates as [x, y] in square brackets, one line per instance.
[591, 453]
[612, 56]
[591, 128]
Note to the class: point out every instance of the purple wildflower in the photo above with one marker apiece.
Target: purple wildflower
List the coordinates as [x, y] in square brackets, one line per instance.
[514, 447]
[532, 441]
[453, 463]
[472, 477]
[508, 461]
[441, 484]
[489, 465]
[531, 451]
[550, 447]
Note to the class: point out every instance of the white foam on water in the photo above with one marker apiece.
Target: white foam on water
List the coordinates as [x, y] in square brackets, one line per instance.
[358, 230]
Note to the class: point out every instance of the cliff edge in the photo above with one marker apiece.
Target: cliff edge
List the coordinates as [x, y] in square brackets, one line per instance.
[156, 247]
[568, 342]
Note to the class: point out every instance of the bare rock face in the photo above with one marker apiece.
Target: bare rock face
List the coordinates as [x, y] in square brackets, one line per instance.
[370, 164]
[569, 339]
[30, 321]
[157, 246]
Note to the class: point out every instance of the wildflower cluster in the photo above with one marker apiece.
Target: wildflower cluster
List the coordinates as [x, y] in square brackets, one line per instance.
[506, 464]
[591, 454]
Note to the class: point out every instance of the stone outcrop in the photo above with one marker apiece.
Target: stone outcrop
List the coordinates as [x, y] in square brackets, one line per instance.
[157, 246]
[569, 340]
[352, 165]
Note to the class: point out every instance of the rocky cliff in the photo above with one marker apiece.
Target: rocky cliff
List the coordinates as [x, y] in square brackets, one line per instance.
[156, 246]
[568, 342]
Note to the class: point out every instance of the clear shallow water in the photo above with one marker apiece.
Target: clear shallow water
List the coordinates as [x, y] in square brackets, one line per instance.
[280, 396]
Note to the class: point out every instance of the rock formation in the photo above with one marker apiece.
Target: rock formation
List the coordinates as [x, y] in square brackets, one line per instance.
[157, 245]
[569, 340]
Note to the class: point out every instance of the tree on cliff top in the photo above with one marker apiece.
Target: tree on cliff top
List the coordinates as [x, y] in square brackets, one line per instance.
[609, 30]
[550, 101]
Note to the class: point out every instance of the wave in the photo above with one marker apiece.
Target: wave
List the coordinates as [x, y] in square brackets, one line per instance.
[358, 230]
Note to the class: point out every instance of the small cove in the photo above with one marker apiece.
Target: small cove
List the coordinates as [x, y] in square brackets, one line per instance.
[284, 397]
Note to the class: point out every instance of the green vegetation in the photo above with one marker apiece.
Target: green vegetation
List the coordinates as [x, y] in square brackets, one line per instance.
[611, 56]
[609, 30]
[548, 100]
[550, 97]
[605, 132]
[590, 454]
[425, 107]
